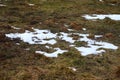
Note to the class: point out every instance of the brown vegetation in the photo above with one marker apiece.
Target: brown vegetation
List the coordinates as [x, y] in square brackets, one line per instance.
[109, 35]
[92, 36]
[17, 63]
[118, 72]
[75, 26]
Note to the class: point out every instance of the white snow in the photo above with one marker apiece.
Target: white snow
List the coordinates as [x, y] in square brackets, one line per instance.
[15, 27]
[17, 43]
[93, 46]
[46, 37]
[48, 47]
[31, 4]
[37, 37]
[101, 0]
[54, 54]
[2, 5]
[84, 29]
[66, 25]
[27, 49]
[102, 16]
[89, 50]
[112, 4]
[71, 30]
[72, 68]
[65, 36]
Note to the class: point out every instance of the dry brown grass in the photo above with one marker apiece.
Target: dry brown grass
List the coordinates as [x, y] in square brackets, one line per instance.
[19, 64]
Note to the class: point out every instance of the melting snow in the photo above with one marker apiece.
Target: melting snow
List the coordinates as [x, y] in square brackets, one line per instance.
[54, 54]
[72, 68]
[27, 49]
[66, 25]
[17, 43]
[84, 29]
[2, 5]
[48, 47]
[102, 16]
[14, 27]
[31, 4]
[101, 0]
[37, 37]
[46, 37]
[93, 46]
[64, 36]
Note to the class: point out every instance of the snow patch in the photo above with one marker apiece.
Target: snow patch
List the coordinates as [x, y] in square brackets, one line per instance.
[101, 0]
[65, 36]
[2, 5]
[93, 46]
[102, 16]
[37, 37]
[54, 54]
[46, 37]
[15, 27]
[72, 68]
[84, 29]
[31, 4]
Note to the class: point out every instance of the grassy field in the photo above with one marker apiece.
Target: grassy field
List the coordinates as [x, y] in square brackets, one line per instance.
[16, 63]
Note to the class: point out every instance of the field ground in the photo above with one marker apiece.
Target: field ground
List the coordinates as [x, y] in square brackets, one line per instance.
[18, 63]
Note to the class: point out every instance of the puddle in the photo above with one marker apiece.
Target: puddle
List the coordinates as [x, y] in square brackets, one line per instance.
[102, 16]
[46, 37]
